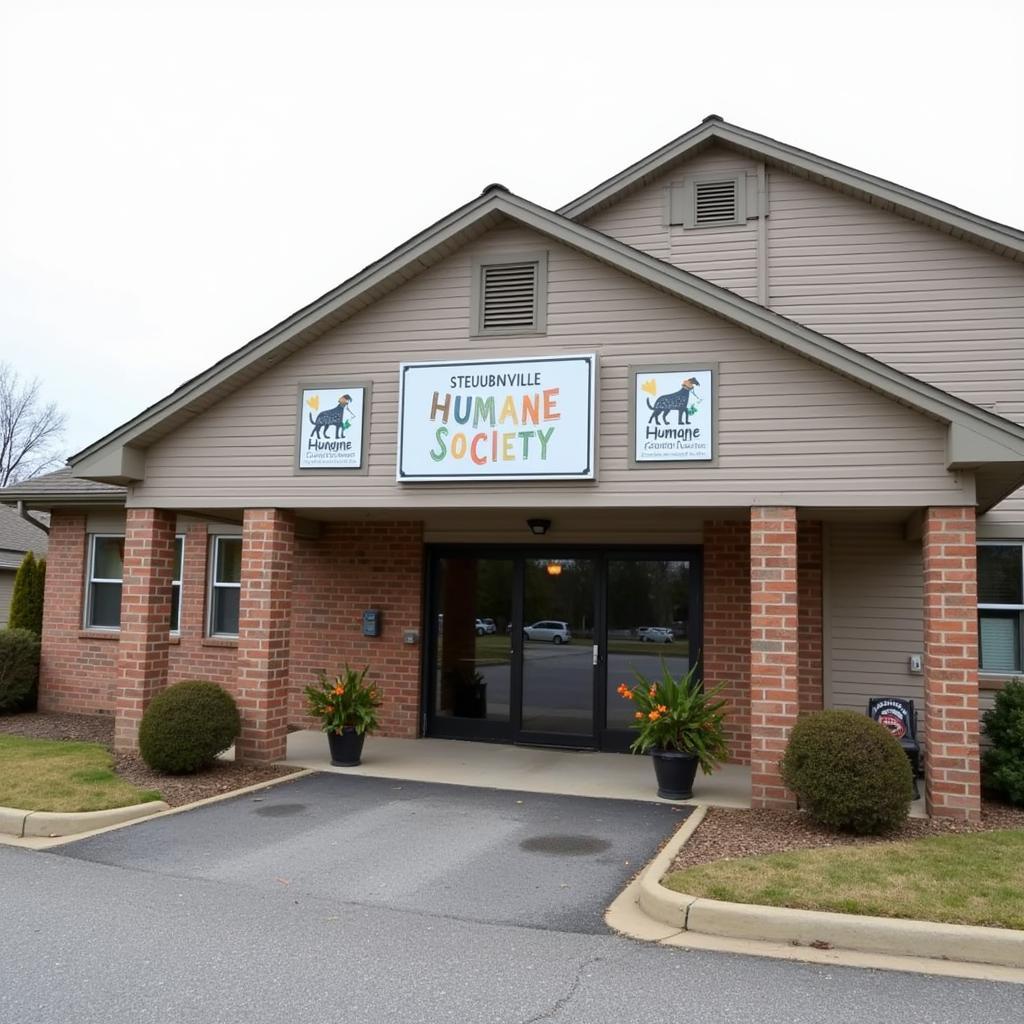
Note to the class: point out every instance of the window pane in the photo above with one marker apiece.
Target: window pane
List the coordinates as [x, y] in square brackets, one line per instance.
[108, 558]
[179, 553]
[999, 574]
[105, 606]
[225, 610]
[175, 607]
[999, 636]
[229, 560]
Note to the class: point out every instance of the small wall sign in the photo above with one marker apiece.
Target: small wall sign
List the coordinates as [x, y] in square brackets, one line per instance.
[498, 419]
[332, 426]
[673, 413]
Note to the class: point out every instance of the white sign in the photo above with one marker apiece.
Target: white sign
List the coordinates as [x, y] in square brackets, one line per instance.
[498, 419]
[331, 421]
[673, 415]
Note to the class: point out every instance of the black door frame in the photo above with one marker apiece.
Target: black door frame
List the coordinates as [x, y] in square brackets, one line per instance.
[601, 737]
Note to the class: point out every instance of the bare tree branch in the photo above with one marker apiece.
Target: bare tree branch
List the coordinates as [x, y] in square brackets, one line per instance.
[31, 433]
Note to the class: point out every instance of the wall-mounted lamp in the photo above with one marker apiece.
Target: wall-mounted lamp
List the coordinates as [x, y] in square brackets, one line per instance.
[539, 526]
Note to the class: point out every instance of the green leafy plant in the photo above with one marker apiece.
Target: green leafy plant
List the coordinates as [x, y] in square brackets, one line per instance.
[27, 596]
[344, 700]
[19, 669]
[673, 713]
[1003, 763]
[849, 772]
[186, 726]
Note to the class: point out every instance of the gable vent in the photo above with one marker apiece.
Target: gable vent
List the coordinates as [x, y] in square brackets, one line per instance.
[715, 202]
[509, 297]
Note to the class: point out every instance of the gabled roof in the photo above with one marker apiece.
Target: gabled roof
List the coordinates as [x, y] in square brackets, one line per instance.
[1006, 240]
[988, 432]
[62, 487]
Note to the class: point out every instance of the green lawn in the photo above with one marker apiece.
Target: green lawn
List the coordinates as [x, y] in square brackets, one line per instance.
[59, 775]
[969, 879]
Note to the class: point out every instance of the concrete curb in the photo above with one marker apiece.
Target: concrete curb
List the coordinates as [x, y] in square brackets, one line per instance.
[23, 824]
[920, 940]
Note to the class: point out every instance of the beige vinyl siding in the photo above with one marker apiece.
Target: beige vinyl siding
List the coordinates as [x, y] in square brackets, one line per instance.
[874, 614]
[790, 431]
[931, 305]
[6, 590]
[726, 256]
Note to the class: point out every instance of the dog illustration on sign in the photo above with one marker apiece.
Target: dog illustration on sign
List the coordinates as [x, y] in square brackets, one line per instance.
[338, 417]
[677, 401]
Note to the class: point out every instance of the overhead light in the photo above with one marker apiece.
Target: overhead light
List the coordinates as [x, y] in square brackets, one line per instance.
[539, 526]
[554, 568]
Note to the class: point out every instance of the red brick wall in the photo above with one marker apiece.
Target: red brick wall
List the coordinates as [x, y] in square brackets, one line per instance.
[774, 644]
[810, 680]
[952, 780]
[76, 674]
[727, 625]
[352, 567]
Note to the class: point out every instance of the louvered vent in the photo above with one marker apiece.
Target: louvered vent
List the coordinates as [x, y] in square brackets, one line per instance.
[509, 297]
[715, 202]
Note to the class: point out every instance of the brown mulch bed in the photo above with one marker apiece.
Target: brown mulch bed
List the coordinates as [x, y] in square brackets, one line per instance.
[727, 834]
[176, 790]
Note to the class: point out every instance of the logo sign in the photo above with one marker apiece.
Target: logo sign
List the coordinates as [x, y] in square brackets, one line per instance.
[332, 426]
[498, 419]
[672, 414]
[894, 713]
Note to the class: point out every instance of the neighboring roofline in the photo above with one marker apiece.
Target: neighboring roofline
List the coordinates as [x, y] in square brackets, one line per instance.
[43, 500]
[712, 128]
[498, 202]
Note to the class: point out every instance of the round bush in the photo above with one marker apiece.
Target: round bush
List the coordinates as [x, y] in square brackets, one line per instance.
[186, 726]
[849, 772]
[19, 669]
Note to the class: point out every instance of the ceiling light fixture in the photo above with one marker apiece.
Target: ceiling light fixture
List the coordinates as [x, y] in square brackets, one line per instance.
[538, 527]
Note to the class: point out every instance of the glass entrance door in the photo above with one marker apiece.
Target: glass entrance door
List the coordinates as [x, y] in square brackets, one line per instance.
[558, 655]
[529, 646]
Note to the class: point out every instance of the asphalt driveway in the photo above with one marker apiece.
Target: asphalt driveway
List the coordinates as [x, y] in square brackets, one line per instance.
[483, 855]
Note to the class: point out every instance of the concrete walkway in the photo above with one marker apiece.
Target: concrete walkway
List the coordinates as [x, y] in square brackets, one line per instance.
[527, 769]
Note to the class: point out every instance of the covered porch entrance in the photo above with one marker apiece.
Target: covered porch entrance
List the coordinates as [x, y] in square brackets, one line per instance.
[527, 645]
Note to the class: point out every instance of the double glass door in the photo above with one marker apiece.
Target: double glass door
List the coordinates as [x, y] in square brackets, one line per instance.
[529, 647]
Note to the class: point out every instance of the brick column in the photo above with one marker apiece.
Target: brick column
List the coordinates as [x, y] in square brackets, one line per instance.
[951, 732]
[268, 554]
[726, 653]
[145, 618]
[773, 649]
[810, 660]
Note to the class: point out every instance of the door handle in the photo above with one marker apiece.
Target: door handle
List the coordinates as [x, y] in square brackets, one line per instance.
[596, 650]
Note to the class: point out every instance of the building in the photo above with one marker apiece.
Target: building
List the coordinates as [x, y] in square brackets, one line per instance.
[17, 537]
[738, 401]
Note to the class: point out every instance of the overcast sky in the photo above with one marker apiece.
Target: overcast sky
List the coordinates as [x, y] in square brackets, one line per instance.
[176, 177]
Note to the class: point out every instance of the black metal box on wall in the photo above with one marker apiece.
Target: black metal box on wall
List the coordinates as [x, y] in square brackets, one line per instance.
[371, 622]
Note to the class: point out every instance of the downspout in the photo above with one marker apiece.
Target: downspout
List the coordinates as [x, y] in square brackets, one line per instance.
[762, 235]
[23, 512]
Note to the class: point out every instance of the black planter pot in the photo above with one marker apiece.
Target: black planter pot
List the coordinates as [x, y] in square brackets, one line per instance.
[675, 773]
[346, 747]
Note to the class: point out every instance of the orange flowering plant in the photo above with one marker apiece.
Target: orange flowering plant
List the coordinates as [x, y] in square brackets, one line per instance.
[677, 714]
[345, 699]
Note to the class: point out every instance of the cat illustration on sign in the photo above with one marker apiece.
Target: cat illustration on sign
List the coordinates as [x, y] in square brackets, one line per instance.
[338, 417]
[679, 401]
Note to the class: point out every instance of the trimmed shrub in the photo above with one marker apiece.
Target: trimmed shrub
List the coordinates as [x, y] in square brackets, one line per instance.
[186, 726]
[849, 772]
[1003, 764]
[27, 596]
[19, 669]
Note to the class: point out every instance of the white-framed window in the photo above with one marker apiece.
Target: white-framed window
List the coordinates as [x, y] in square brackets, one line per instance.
[179, 565]
[103, 581]
[1000, 605]
[225, 585]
